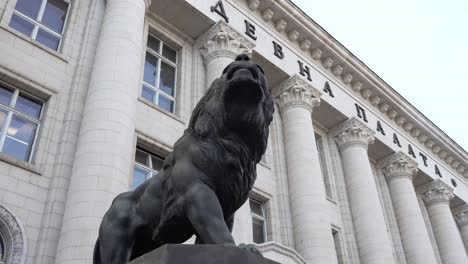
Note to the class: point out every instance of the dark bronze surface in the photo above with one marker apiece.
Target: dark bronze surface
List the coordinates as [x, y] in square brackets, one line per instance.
[204, 180]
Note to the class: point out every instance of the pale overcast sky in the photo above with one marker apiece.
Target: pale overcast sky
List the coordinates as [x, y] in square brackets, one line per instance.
[418, 47]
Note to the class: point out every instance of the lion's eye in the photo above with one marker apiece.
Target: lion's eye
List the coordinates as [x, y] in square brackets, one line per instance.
[225, 70]
[261, 70]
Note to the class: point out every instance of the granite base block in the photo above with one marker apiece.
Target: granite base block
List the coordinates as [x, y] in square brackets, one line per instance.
[201, 254]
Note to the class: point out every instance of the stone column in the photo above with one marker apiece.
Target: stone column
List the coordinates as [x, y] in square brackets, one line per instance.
[220, 47]
[103, 159]
[311, 226]
[437, 196]
[461, 217]
[399, 170]
[374, 244]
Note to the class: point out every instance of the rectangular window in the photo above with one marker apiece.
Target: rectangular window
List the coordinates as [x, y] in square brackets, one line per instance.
[259, 225]
[323, 165]
[146, 166]
[19, 122]
[160, 74]
[42, 20]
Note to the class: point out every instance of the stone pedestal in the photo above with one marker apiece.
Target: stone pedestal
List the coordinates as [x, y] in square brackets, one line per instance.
[201, 254]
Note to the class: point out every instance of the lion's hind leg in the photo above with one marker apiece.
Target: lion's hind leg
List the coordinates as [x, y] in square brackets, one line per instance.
[116, 234]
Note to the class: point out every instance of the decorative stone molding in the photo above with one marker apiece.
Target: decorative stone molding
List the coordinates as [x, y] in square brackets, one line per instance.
[436, 192]
[281, 25]
[305, 45]
[316, 54]
[352, 132]
[282, 250]
[15, 246]
[392, 114]
[461, 215]
[147, 3]
[415, 132]
[366, 93]
[422, 138]
[222, 40]
[357, 86]
[399, 165]
[383, 107]
[347, 78]
[375, 100]
[337, 70]
[429, 143]
[327, 62]
[400, 120]
[287, 13]
[253, 4]
[267, 14]
[293, 35]
[297, 92]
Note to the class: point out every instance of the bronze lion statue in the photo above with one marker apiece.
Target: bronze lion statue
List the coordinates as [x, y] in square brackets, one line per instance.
[204, 180]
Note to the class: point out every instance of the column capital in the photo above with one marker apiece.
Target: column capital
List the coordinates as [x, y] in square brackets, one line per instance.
[353, 132]
[399, 165]
[461, 215]
[296, 92]
[222, 40]
[436, 192]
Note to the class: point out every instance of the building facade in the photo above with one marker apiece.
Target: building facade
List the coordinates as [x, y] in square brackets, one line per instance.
[93, 95]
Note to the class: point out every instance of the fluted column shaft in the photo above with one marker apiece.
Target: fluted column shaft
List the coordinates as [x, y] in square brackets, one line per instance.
[399, 171]
[103, 159]
[311, 226]
[373, 241]
[461, 217]
[437, 196]
[220, 47]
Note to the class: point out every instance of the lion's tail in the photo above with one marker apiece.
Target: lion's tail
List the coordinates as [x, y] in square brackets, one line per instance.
[97, 253]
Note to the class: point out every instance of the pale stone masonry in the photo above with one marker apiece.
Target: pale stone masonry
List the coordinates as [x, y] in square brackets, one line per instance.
[352, 173]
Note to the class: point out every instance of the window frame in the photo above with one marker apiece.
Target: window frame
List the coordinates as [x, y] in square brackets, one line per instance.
[37, 23]
[260, 217]
[161, 58]
[148, 168]
[11, 111]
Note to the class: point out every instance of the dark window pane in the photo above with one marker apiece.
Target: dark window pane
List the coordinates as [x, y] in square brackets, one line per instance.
[151, 69]
[167, 79]
[256, 208]
[141, 157]
[30, 8]
[28, 106]
[258, 229]
[22, 129]
[54, 16]
[166, 103]
[3, 116]
[148, 94]
[5, 96]
[153, 44]
[157, 163]
[139, 176]
[21, 25]
[48, 39]
[169, 53]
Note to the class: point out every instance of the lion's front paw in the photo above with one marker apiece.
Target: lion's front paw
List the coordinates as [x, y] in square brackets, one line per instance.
[250, 248]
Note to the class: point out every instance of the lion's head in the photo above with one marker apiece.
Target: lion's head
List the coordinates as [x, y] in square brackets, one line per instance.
[239, 103]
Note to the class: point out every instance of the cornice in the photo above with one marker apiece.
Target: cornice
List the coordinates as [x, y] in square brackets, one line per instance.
[399, 165]
[147, 3]
[436, 192]
[461, 215]
[353, 133]
[356, 76]
[223, 40]
[296, 92]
